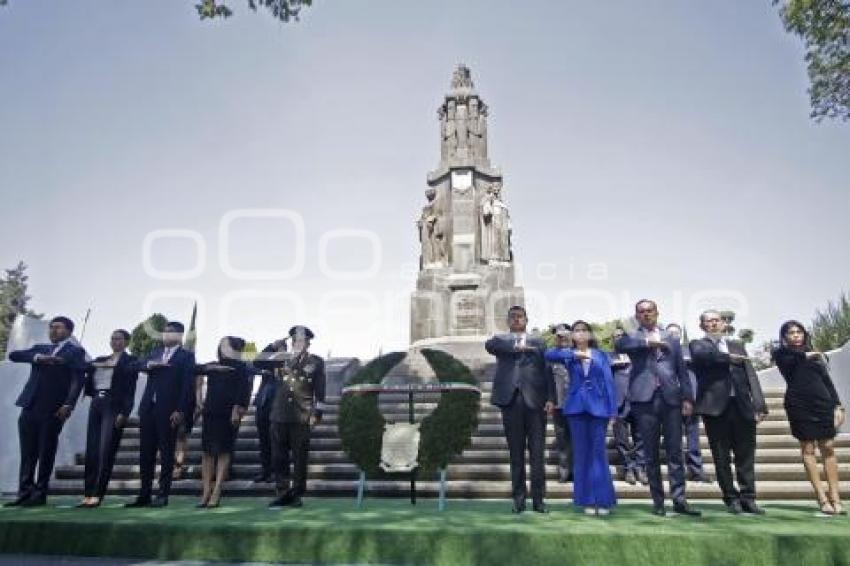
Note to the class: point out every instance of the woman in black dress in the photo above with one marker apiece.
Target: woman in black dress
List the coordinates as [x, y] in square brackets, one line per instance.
[228, 393]
[813, 408]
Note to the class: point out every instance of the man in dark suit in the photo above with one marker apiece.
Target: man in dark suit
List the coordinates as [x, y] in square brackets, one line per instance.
[166, 401]
[731, 402]
[693, 454]
[525, 393]
[46, 402]
[297, 407]
[265, 362]
[627, 439]
[561, 380]
[111, 384]
[659, 394]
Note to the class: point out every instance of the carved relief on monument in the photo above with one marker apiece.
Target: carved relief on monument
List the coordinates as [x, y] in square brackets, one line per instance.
[495, 226]
[432, 233]
[463, 121]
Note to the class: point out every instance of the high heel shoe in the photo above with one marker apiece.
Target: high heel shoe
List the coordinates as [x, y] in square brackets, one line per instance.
[204, 503]
[826, 507]
[838, 508]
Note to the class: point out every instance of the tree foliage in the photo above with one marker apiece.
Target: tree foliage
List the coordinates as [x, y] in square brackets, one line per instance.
[13, 300]
[283, 10]
[824, 27]
[147, 335]
[831, 326]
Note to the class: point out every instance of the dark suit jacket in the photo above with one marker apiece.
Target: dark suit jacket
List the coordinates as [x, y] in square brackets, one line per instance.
[174, 385]
[525, 371]
[124, 378]
[717, 375]
[647, 367]
[51, 386]
[268, 384]
[622, 371]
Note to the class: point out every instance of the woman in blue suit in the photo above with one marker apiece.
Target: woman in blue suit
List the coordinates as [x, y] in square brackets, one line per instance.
[590, 403]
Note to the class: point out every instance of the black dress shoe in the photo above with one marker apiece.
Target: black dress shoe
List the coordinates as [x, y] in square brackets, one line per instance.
[519, 506]
[263, 478]
[283, 501]
[751, 508]
[296, 502]
[159, 502]
[734, 507]
[684, 508]
[139, 502]
[34, 502]
[630, 478]
[87, 505]
[540, 507]
[658, 510]
[17, 502]
[698, 477]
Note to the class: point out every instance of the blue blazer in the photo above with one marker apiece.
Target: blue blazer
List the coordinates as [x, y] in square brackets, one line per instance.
[594, 393]
[51, 386]
[174, 386]
[648, 368]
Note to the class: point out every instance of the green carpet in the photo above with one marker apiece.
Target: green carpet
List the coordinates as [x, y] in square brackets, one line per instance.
[394, 532]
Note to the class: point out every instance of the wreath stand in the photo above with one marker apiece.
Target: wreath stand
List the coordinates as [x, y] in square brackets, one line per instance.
[411, 390]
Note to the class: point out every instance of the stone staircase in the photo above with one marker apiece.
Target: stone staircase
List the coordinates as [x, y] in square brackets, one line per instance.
[482, 471]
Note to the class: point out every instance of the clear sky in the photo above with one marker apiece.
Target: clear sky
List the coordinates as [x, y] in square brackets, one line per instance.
[668, 141]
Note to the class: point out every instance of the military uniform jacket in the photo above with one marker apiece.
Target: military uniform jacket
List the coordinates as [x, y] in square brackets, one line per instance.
[301, 390]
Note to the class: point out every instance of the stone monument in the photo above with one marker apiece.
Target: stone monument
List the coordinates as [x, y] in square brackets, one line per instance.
[466, 270]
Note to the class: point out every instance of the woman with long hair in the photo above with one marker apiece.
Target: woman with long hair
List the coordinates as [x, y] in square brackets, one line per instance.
[228, 393]
[589, 405]
[813, 407]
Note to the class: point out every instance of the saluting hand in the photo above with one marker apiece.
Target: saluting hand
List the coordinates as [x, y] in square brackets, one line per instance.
[176, 418]
[687, 408]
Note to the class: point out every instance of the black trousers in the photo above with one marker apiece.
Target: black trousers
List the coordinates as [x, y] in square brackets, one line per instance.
[157, 434]
[629, 444]
[264, 432]
[102, 440]
[693, 456]
[525, 427]
[563, 444]
[732, 433]
[290, 446]
[38, 434]
[652, 418]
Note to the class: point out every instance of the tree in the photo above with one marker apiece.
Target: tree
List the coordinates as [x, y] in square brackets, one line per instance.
[824, 27]
[13, 301]
[283, 10]
[831, 326]
[147, 336]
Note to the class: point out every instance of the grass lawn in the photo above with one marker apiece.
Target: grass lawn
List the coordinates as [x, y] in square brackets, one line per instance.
[393, 531]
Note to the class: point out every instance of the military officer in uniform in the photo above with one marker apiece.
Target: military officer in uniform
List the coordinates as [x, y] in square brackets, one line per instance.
[297, 406]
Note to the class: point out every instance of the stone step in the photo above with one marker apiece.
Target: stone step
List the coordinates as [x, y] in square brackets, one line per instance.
[457, 489]
[486, 429]
[494, 442]
[483, 472]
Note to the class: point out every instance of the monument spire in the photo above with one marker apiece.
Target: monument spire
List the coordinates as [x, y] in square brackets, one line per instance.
[466, 278]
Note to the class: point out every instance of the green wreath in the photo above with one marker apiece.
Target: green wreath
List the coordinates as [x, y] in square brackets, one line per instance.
[445, 433]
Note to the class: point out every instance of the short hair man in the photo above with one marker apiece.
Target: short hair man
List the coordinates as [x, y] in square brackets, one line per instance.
[731, 403]
[525, 393]
[659, 394]
[49, 396]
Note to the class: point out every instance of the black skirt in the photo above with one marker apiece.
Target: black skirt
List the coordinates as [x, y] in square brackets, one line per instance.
[218, 435]
[811, 421]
